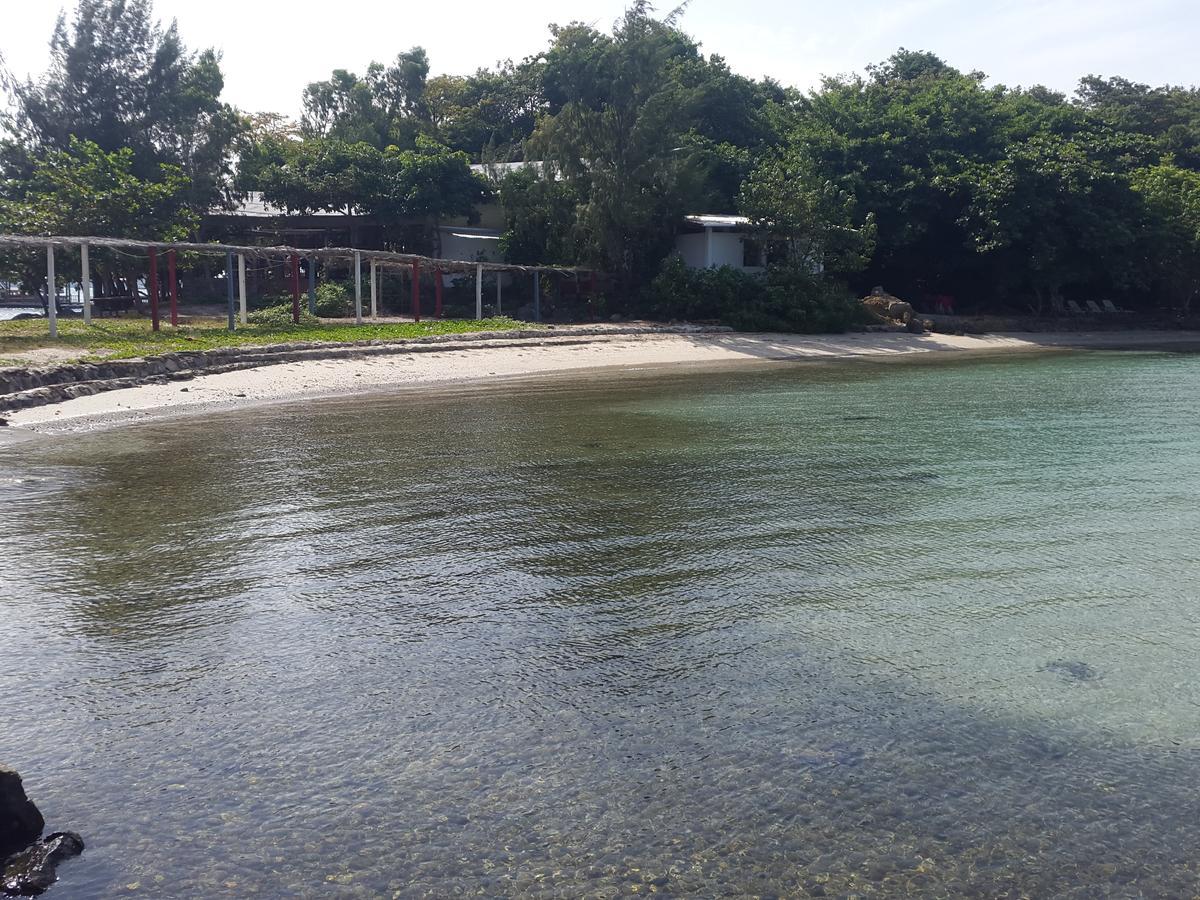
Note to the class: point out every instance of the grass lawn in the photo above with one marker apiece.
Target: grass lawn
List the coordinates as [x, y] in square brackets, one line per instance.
[122, 338]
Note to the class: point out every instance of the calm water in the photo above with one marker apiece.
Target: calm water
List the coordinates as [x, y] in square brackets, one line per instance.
[904, 629]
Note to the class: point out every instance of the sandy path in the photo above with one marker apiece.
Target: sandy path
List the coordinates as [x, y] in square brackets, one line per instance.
[486, 363]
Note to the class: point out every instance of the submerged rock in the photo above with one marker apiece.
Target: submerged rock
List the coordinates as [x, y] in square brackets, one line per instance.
[34, 869]
[20, 820]
[1071, 670]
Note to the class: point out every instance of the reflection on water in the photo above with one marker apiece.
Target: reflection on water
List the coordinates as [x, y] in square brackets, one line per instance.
[864, 629]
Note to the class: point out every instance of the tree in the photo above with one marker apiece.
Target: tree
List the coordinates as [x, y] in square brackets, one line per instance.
[385, 107]
[541, 224]
[488, 115]
[790, 203]
[421, 186]
[119, 80]
[615, 139]
[1172, 197]
[1056, 217]
[899, 141]
[88, 191]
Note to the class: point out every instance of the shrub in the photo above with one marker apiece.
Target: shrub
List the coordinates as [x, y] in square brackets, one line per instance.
[787, 298]
[334, 300]
[280, 316]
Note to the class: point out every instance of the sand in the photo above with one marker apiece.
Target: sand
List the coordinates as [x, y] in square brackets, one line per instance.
[485, 364]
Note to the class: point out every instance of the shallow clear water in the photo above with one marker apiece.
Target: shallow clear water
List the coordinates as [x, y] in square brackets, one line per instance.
[875, 629]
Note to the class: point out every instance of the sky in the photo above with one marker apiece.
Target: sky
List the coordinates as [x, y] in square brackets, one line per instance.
[271, 48]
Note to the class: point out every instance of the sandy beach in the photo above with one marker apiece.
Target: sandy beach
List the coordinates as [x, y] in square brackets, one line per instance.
[491, 362]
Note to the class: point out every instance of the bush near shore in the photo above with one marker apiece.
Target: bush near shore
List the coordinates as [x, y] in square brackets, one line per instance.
[784, 298]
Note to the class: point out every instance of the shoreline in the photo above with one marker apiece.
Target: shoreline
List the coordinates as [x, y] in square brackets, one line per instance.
[483, 367]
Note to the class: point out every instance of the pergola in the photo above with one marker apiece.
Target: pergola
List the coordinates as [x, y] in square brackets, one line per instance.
[376, 259]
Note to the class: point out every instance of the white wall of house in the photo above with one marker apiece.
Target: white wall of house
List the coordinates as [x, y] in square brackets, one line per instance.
[700, 250]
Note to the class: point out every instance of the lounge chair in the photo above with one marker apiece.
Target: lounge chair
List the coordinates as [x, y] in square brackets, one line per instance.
[1075, 309]
[1094, 307]
[1110, 307]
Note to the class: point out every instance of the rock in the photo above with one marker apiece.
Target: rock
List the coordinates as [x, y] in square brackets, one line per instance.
[888, 306]
[33, 870]
[1071, 670]
[20, 821]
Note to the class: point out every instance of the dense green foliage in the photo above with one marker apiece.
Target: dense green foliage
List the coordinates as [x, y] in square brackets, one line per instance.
[916, 176]
[1008, 198]
[280, 316]
[423, 185]
[119, 80]
[790, 298]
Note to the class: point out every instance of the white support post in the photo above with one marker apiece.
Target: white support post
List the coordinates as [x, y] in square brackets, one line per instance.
[357, 288]
[242, 288]
[51, 292]
[499, 278]
[374, 291]
[85, 283]
[708, 248]
[479, 291]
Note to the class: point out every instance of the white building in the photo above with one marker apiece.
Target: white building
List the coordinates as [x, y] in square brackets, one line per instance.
[712, 241]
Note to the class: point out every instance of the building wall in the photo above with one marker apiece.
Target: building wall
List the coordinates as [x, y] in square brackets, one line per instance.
[727, 250]
[691, 248]
[457, 246]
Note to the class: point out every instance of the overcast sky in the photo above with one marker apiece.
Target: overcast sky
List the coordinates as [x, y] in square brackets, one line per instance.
[272, 49]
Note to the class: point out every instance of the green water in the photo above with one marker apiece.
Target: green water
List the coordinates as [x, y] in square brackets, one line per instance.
[924, 629]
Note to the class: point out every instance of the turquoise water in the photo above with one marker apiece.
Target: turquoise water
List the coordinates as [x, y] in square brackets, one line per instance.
[923, 629]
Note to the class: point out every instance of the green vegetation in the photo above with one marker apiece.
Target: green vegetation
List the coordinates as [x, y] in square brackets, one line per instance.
[280, 316]
[125, 338]
[787, 299]
[913, 175]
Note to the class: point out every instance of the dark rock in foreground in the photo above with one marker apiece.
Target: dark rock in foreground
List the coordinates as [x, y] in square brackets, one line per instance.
[20, 821]
[32, 871]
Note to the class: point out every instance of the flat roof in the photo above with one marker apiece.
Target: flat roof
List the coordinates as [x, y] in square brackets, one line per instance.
[717, 220]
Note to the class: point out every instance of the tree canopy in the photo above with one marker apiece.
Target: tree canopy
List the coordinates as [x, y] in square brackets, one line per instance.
[121, 81]
[913, 174]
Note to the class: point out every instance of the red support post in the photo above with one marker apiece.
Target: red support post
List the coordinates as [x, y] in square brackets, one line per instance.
[174, 284]
[437, 293]
[152, 286]
[295, 289]
[416, 303]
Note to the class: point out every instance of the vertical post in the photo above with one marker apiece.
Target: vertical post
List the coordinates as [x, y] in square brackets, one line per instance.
[295, 289]
[537, 296]
[173, 281]
[243, 314]
[152, 284]
[416, 291]
[86, 283]
[479, 291]
[312, 285]
[437, 293]
[592, 296]
[374, 291]
[357, 288]
[499, 276]
[51, 292]
[229, 288]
